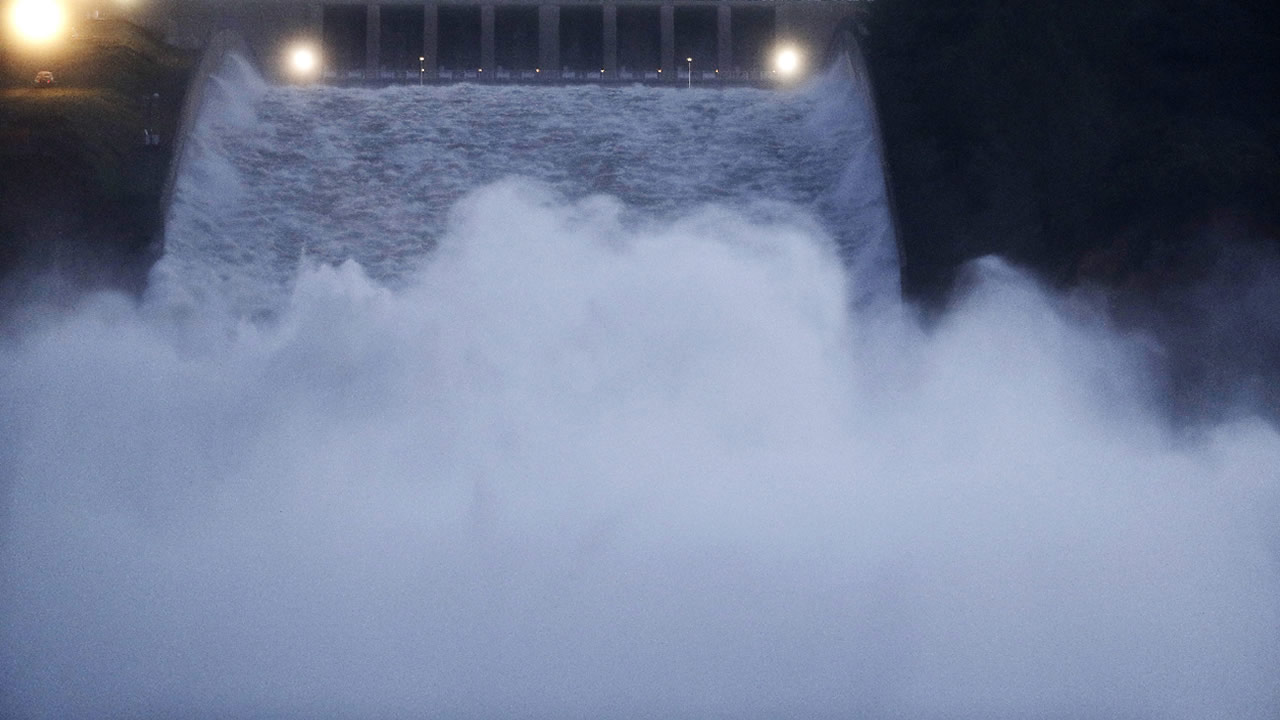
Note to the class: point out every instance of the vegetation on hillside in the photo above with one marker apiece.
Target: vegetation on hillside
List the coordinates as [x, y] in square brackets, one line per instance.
[1093, 140]
[79, 188]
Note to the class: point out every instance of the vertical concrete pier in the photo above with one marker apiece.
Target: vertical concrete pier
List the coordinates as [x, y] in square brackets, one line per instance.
[610, 32]
[430, 37]
[724, 38]
[315, 23]
[486, 38]
[372, 40]
[549, 41]
[667, 21]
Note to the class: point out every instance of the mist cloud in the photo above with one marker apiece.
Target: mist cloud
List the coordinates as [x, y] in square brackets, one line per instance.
[584, 466]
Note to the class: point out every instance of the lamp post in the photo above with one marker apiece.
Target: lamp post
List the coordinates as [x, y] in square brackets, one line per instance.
[787, 62]
[36, 23]
[422, 68]
[690, 61]
[304, 62]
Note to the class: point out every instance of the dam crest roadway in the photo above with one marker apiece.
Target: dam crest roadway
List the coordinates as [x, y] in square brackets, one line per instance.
[650, 41]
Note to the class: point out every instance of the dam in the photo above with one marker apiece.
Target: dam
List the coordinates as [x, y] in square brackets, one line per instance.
[416, 152]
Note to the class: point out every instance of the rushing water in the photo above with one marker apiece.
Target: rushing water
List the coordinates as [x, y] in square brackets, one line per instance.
[283, 175]
[487, 402]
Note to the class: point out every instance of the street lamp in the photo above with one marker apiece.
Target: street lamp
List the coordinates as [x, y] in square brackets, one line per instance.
[37, 22]
[787, 61]
[690, 61]
[422, 68]
[303, 61]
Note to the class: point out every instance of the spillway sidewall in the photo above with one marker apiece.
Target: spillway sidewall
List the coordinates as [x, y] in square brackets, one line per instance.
[222, 44]
[844, 47]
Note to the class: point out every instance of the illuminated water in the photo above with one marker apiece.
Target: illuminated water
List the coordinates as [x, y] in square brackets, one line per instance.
[284, 175]
[597, 403]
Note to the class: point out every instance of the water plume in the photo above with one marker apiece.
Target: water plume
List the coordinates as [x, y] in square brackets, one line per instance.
[589, 457]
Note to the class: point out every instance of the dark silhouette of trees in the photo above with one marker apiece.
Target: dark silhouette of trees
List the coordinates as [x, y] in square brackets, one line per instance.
[1089, 140]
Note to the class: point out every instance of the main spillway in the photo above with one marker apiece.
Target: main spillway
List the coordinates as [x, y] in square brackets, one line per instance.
[279, 174]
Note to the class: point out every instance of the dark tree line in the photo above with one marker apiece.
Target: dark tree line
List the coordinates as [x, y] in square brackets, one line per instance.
[1090, 140]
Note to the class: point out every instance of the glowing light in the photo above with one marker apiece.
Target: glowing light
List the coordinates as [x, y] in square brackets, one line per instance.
[303, 60]
[37, 21]
[787, 61]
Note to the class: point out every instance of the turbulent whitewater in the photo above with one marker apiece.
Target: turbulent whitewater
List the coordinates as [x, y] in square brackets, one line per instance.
[495, 402]
[283, 176]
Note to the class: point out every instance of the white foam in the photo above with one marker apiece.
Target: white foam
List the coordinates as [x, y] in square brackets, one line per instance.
[582, 461]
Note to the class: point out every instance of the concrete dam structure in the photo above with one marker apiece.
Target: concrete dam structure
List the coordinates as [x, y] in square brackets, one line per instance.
[691, 41]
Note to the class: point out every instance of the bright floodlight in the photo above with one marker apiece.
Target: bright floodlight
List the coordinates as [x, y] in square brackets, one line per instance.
[37, 21]
[303, 60]
[788, 61]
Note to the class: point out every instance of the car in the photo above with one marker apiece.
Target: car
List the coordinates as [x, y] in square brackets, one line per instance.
[44, 77]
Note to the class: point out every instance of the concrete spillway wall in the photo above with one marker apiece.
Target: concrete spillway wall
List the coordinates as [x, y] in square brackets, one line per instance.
[219, 46]
[846, 47]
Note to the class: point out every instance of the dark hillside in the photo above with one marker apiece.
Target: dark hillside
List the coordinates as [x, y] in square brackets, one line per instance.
[79, 187]
[1102, 140]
